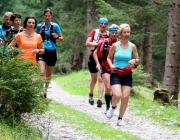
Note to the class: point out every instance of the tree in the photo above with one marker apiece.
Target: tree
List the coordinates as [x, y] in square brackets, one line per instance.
[172, 65]
[89, 8]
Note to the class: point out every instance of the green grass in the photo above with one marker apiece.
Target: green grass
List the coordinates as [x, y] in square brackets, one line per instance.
[76, 83]
[88, 124]
[141, 103]
[21, 132]
[166, 116]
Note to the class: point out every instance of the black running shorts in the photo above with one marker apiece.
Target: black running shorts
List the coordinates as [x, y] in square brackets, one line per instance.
[125, 79]
[92, 64]
[49, 57]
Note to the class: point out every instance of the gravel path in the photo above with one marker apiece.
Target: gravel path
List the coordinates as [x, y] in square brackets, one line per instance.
[136, 125]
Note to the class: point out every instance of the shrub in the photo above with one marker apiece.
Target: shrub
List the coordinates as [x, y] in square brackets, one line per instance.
[20, 86]
[139, 75]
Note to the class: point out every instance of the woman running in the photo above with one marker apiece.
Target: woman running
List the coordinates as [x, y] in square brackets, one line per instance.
[92, 42]
[122, 57]
[29, 41]
[104, 48]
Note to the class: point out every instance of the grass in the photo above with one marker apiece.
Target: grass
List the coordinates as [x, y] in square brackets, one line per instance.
[88, 124]
[76, 83]
[141, 102]
[21, 132]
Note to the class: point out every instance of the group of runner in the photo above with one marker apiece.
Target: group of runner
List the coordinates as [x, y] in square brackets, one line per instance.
[39, 46]
[110, 62]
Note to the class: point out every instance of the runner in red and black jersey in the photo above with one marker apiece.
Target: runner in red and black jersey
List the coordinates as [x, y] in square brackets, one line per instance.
[92, 42]
[103, 48]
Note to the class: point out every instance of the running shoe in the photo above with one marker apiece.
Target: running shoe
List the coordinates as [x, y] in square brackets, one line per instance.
[91, 100]
[106, 110]
[43, 95]
[109, 113]
[120, 122]
[99, 103]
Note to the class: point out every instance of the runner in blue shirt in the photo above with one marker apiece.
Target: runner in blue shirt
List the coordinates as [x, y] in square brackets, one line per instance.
[50, 33]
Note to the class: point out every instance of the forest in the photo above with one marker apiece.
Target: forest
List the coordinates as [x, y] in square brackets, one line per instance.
[155, 30]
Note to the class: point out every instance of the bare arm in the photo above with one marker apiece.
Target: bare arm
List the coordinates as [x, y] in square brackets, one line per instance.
[111, 55]
[90, 43]
[135, 60]
[41, 48]
[60, 37]
[12, 44]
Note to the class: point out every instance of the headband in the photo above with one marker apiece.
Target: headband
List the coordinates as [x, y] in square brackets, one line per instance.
[103, 20]
[113, 30]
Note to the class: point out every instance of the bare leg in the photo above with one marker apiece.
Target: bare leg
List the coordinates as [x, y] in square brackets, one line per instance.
[42, 69]
[93, 82]
[92, 85]
[100, 86]
[107, 96]
[124, 100]
[49, 71]
[116, 90]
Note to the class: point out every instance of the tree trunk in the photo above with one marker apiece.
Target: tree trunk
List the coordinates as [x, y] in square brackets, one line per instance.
[171, 73]
[77, 60]
[147, 51]
[89, 26]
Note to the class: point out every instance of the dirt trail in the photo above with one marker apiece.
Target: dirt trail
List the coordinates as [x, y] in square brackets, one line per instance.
[134, 124]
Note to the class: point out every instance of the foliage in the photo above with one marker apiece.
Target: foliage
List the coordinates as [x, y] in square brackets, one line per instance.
[20, 86]
[139, 75]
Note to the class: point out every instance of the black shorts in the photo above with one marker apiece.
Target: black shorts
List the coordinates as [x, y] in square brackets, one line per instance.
[92, 64]
[49, 57]
[104, 70]
[125, 79]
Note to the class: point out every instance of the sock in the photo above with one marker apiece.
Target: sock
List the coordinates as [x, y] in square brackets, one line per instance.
[119, 118]
[108, 98]
[114, 107]
[90, 94]
[100, 99]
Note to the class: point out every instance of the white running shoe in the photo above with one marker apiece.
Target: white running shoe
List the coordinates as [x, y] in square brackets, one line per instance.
[120, 122]
[109, 113]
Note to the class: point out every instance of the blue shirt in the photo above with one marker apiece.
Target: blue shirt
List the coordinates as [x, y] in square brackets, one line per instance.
[48, 44]
[2, 34]
[121, 56]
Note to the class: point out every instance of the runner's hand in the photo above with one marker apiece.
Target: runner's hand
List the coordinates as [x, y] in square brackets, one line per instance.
[54, 35]
[112, 67]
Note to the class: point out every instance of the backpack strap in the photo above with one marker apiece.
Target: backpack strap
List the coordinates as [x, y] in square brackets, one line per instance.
[96, 35]
[41, 27]
[105, 49]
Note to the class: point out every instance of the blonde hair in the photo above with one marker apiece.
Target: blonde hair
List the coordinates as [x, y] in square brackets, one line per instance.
[7, 14]
[122, 26]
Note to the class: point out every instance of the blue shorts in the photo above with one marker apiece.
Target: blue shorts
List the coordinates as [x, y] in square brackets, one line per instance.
[49, 57]
[124, 80]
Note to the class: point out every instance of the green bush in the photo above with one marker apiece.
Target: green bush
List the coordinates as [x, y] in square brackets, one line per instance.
[20, 86]
[139, 75]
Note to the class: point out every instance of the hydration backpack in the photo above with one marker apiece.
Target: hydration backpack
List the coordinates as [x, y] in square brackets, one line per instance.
[99, 37]
[43, 32]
